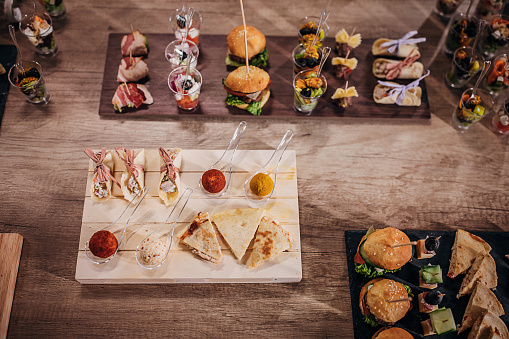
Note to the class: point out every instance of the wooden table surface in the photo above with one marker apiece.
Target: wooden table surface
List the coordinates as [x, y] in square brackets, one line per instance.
[352, 173]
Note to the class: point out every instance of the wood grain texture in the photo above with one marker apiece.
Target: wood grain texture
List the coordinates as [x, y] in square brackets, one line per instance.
[10, 252]
[353, 173]
[212, 67]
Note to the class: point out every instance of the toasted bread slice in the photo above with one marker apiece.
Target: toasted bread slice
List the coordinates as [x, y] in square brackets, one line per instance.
[483, 270]
[488, 325]
[465, 249]
[238, 227]
[201, 238]
[482, 299]
[271, 239]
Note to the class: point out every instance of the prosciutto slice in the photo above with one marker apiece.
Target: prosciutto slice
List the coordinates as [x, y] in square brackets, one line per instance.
[132, 69]
[131, 95]
[134, 44]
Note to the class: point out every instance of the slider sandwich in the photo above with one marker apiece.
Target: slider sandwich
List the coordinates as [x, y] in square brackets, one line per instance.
[257, 52]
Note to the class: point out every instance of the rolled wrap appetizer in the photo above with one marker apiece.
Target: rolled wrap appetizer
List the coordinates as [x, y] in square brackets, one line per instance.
[132, 69]
[400, 48]
[100, 189]
[133, 177]
[131, 95]
[411, 96]
[134, 44]
[169, 183]
[393, 69]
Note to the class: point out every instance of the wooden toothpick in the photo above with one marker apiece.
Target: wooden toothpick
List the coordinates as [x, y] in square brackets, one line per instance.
[351, 34]
[405, 244]
[398, 300]
[132, 30]
[127, 88]
[245, 34]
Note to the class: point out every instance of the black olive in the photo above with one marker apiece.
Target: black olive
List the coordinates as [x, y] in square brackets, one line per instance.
[432, 243]
[305, 31]
[32, 72]
[186, 85]
[471, 29]
[301, 62]
[312, 62]
[433, 297]
[306, 92]
[181, 21]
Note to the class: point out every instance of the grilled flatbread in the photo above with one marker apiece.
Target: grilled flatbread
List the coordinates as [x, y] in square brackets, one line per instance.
[168, 188]
[412, 96]
[201, 238]
[238, 227]
[104, 191]
[131, 187]
[482, 299]
[488, 325]
[271, 239]
[465, 249]
[483, 270]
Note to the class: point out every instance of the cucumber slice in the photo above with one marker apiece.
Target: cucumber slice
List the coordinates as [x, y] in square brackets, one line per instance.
[442, 321]
[432, 274]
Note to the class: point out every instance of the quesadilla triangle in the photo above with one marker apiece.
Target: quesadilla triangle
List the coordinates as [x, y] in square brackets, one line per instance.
[465, 249]
[483, 270]
[482, 299]
[271, 239]
[130, 184]
[489, 325]
[238, 227]
[201, 238]
[169, 183]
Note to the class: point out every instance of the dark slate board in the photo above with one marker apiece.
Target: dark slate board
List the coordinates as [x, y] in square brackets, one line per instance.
[8, 56]
[409, 275]
[211, 64]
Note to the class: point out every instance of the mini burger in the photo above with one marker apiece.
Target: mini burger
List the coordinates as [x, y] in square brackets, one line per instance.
[384, 301]
[249, 91]
[257, 52]
[377, 252]
[392, 333]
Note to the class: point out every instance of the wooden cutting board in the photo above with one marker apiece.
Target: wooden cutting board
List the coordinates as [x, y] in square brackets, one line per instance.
[10, 252]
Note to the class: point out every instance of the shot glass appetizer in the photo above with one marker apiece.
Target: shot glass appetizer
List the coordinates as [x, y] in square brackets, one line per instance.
[495, 36]
[179, 53]
[178, 22]
[38, 29]
[55, 8]
[445, 8]
[463, 31]
[308, 89]
[28, 79]
[487, 9]
[307, 29]
[500, 121]
[185, 87]
[498, 77]
[306, 58]
[471, 109]
[465, 64]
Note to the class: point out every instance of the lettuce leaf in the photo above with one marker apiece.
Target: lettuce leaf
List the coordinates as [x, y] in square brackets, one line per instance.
[370, 272]
[233, 100]
[368, 319]
[259, 60]
[408, 290]
[255, 107]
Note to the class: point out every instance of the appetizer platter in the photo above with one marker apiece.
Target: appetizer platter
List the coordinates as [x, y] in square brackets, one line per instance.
[186, 262]
[460, 301]
[211, 65]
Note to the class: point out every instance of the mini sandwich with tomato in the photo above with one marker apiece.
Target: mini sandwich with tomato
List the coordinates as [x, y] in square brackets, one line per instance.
[247, 90]
[382, 251]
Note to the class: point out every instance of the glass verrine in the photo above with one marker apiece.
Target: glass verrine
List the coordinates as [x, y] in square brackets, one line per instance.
[185, 87]
[498, 78]
[55, 8]
[178, 23]
[500, 121]
[308, 88]
[464, 65]
[487, 9]
[307, 28]
[38, 28]
[306, 59]
[30, 82]
[445, 8]
[462, 32]
[177, 53]
[471, 110]
[495, 36]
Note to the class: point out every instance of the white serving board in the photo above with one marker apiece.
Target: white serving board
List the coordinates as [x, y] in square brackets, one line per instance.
[182, 266]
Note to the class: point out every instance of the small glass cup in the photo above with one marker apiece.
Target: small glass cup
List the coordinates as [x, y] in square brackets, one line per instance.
[462, 32]
[187, 100]
[487, 9]
[498, 78]
[55, 8]
[305, 64]
[465, 116]
[177, 53]
[303, 29]
[302, 103]
[495, 36]
[38, 29]
[462, 70]
[178, 23]
[446, 8]
[500, 121]
[32, 83]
